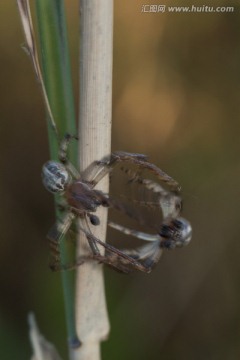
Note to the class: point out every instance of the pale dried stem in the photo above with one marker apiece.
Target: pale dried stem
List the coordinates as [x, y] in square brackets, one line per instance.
[31, 48]
[95, 142]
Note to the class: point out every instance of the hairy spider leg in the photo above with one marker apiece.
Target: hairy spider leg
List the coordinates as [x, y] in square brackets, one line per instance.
[63, 147]
[149, 253]
[62, 155]
[96, 171]
[56, 235]
[138, 234]
[169, 202]
[114, 257]
[99, 169]
[141, 161]
[92, 243]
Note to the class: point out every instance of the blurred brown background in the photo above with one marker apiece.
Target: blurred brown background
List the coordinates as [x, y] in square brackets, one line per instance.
[176, 97]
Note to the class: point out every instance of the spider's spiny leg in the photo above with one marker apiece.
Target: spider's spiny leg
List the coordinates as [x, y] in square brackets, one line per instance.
[63, 147]
[148, 254]
[62, 155]
[138, 234]
[96, 171]
[114, 263]
[57, 266]
[60, 228]
[83, 225]
[55, 236]
[55, 255]
[142, 162]
[115, 258]
[169, 202]
[102, 259]
[72, 170]
[126, 156]
[116, 255]
[144, 203]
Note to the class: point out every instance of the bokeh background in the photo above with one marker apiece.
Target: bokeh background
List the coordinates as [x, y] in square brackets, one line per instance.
[176, 97]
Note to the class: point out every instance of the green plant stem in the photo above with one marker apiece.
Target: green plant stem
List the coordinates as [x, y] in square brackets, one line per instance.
[57, 77]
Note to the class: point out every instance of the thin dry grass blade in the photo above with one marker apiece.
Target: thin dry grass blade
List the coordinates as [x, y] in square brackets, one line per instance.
[26, 18]
[42, 349]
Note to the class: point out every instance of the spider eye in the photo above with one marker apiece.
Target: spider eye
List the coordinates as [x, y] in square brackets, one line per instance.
[55, 177]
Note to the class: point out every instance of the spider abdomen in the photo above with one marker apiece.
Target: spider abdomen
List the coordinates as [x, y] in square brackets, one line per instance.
[176, 233]
[55, 177]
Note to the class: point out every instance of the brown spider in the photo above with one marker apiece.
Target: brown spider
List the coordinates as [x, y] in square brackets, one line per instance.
[81, 200]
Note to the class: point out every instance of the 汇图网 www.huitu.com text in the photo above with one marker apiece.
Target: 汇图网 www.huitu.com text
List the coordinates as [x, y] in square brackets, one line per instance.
[186, 9]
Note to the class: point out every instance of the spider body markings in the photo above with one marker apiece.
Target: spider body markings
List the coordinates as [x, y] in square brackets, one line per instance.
[81, 200]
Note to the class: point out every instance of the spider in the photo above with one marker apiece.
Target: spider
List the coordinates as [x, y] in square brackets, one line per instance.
[80, 200]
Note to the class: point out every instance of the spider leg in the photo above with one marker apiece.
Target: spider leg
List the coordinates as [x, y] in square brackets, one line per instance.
[87, 258]
[142, 163]
[63, 147]
[55, 236]
[106, 164]
[72, 170]
[57, 266]
[114, 257]
[62, 155]
[169, 202]
[91, 239]
[148, 254]
[97, 170]
[138, 234]
[95, 256]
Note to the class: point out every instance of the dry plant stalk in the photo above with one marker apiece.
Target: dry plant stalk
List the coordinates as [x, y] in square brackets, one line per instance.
[94, 143]
[30, 47]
